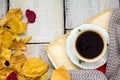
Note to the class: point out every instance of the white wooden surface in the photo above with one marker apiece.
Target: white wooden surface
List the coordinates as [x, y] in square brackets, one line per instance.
[49, 23]
[78, 11]
[3, 8]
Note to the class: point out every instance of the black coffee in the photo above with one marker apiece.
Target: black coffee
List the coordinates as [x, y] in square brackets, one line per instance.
[89, 44]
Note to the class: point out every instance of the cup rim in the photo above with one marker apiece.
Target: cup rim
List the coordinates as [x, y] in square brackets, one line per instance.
[96, 58]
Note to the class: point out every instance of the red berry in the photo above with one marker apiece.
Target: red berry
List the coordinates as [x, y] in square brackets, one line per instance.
[12, 76]
[31, 16]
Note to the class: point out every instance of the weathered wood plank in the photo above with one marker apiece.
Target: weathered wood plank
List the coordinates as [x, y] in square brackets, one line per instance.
[3, 8]
[78, 11]
[49, 23]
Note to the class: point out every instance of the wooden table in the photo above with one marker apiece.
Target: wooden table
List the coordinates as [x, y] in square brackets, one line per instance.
[54, 18]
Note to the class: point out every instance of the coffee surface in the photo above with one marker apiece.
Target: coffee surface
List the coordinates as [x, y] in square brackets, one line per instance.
[89, 44]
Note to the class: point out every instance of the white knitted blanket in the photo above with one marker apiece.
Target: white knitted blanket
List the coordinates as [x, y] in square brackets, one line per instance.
[113, 64]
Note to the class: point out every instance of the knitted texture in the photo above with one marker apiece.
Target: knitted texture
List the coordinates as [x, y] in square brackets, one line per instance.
[87, 75]
[113, 63]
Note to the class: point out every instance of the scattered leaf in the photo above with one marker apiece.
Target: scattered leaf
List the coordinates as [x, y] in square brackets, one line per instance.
[16, 26]
[36, 70]
[31, 16]
[27, 39]
[18, 45]
[60, 74]
[6, 54]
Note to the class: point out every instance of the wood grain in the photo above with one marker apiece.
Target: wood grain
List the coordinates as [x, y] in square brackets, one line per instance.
[3, 8]
[78, 11]
[49, 23]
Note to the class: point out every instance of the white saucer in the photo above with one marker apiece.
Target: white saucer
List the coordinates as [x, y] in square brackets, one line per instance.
[70, 51]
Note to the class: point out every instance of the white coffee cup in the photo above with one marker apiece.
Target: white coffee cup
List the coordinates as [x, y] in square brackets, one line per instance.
[99, 55]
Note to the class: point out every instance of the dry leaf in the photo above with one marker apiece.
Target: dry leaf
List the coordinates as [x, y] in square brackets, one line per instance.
[4, 73]
[6, 54]
[3, 22]
[60, 74]
[43, 77]
[14, 12]
[16, 26]
[34, 67]
[18, 45]
[27, 39]
[1, 63]
[18, 58]
[7, 39]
